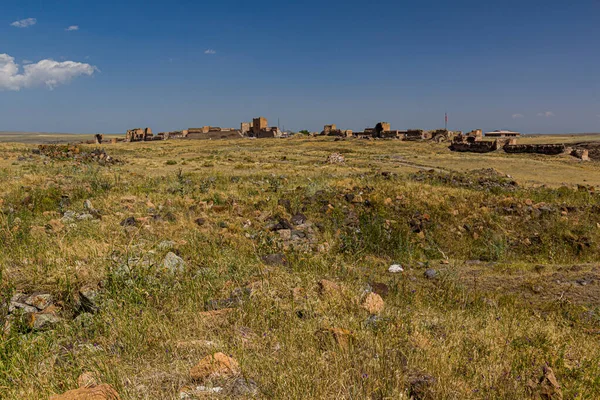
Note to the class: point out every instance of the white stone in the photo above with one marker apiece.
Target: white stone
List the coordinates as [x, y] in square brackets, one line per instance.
[395, 268]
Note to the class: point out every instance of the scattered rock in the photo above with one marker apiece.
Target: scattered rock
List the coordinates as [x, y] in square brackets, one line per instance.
[285, 234]
[549, 388]
[200, 221]
[328, 288]
[373, 303]
[281, 225]
[275, 259]
[242, 387]
[88, 297]
[374, 322]
[419, 386]
[380, 288]
[173, 263]
[395, 268]
[129, 221]
[298, 219]
[98, 392]
[198, 392]
[335, 158]
[215, 366]
[39, 300]
[431, 273]
[41, 321]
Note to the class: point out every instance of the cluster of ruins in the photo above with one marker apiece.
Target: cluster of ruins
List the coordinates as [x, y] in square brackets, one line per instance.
[258, 128]
[475, 141]
[382, 130]
[506, 140]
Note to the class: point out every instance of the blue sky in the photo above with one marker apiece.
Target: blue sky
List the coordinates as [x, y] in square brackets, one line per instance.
[106, 66]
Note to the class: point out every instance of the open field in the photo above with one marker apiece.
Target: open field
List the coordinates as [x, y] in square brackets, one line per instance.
[264, 251]
[47, 138]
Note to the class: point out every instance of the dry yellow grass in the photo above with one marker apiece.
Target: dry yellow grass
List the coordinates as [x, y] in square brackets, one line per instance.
[477, 330]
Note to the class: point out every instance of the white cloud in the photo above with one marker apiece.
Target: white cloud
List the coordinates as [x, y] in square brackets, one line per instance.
[210, 51]
[24, 23]
[515, 116]
[27, 62]
[546, 114]
[47, 73]
[72, 28]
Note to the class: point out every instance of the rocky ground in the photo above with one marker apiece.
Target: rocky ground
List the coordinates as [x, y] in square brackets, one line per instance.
[305, 268]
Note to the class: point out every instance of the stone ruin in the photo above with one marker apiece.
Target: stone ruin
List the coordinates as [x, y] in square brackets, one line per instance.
[550, 149]
[582, 154]
[260, 129]
[139, 135]
[332, 130]
[481, 146]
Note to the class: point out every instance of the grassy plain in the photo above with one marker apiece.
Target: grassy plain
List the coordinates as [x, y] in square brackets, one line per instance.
[516, 258]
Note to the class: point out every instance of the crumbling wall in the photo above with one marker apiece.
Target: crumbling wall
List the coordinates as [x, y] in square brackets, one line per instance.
[414, 134]
[582, 154]
[549, 149]
[475, 147]
[245, 128]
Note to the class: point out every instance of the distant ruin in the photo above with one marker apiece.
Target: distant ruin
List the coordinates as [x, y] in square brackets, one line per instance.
[139, 135]
[332, 130]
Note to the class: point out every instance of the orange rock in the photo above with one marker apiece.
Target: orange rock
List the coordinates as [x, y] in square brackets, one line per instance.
[373, 303]
[214, 366]
[100, 392]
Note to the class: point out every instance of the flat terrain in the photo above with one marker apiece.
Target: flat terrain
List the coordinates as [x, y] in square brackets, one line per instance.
[265, 251]
[46, 138]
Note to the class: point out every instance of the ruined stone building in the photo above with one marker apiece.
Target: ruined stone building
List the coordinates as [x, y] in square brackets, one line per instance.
[332, 130]
[258, 125]
[139, 135]
[261, 129]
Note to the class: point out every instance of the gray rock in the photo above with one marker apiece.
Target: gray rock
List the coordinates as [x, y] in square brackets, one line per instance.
[89, 298]
[13, 306]
[274, 259]
[39, 300]
[173, 263]
[431, 273]
[84, 319]
[44, 321]
[242, 387]
[298, 219]
[85, 217]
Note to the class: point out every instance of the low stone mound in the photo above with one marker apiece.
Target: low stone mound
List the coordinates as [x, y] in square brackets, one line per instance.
[73, 152]
[549, 149]
[475, 147]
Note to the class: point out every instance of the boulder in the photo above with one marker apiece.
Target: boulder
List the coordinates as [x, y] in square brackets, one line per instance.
[173, 263]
